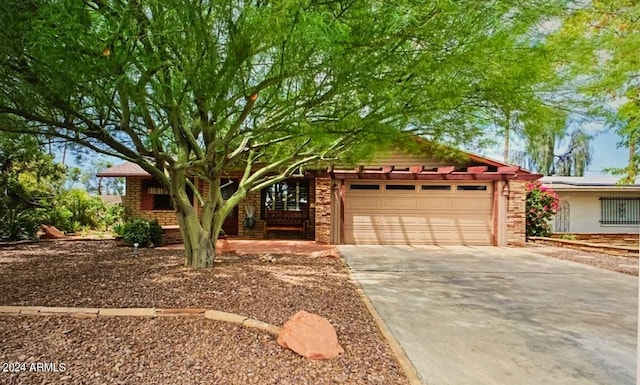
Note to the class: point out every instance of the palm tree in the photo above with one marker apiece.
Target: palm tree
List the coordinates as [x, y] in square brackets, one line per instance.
[575, 160]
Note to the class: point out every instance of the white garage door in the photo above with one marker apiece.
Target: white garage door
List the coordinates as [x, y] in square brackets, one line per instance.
[418, 213]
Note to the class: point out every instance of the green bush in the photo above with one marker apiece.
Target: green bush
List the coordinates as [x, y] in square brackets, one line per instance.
[542, 204]
[155, 232]
[75, 209]
[17, 225]
[143, 232]
[118, 229]
[114, 216]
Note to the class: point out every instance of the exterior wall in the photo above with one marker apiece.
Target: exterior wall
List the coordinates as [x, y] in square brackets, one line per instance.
[323, 210]
[132, 203]
[584, 211]
[516, 218]
[254, 199]
[257, 232]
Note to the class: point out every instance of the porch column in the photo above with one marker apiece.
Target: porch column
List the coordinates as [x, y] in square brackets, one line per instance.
[323, 210]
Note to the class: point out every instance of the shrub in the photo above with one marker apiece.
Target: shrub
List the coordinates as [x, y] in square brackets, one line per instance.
[74, 209]
[114, 216]
[17, 225]
[143, 232]
[155, 232]
[118, 229]
[542, 204]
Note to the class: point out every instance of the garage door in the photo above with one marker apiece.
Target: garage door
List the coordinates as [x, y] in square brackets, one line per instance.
[418, 213]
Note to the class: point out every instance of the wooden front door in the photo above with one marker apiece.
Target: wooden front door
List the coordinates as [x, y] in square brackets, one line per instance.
[230, 225]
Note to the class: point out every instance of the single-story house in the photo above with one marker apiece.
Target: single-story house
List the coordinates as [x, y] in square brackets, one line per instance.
[399, 198]
[595, 204]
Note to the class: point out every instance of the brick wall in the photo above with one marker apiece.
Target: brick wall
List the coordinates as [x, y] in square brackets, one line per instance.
[516, 219]
[323, 211]
[253, 199]
[168, 218]
[132, 201]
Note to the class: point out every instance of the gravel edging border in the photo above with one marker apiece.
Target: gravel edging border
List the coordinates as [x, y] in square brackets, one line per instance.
[615, 250]
[87, 313]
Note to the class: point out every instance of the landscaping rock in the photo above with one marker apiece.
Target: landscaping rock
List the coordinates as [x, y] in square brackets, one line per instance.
[330, 253]
[224, 247]
[311, 336]
[50, 232]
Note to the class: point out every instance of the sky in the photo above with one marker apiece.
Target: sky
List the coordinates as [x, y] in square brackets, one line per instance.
[605, 152]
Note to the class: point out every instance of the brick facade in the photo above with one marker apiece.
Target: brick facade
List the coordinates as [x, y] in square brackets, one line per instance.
[133, 197]
[319, 225]
[257, 232]
[132, 201]
[516, 216]
[323, 211]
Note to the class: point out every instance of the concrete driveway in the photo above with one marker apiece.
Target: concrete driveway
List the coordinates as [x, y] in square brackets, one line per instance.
[487, 315]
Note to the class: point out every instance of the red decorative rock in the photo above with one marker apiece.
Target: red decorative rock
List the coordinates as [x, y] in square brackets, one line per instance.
[311, 336]
[224, 247]
[329, 253]
[50, 232]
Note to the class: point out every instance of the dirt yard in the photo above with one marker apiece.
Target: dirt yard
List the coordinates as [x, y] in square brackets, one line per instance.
[178, 350]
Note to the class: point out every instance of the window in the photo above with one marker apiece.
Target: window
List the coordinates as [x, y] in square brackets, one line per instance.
[436, 187]
[400, 187]
[463, 187]
[162, 202]
[291, 195]
[365, 187]
[619, 211]
[156, 197]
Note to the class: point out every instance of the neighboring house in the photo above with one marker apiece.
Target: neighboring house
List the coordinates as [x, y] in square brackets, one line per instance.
[397, 199]
[595, 204]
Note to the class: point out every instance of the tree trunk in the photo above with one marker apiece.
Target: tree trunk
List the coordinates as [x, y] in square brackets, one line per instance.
[631, 167]
[200, 227]
[507, 134]
[198, 242]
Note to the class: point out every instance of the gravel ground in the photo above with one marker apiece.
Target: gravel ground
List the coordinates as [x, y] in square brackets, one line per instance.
[179, 350]
[626, 265]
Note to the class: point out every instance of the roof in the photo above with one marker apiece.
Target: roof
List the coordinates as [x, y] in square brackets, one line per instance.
[482, 168]
[588, 183]
[123, 169]
[475, 167]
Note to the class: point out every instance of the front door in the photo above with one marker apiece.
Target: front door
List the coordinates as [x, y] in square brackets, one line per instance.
[230, 225]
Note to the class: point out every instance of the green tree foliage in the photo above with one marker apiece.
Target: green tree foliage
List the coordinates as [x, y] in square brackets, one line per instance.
[262, 87]
[100, 185]
[545, 153]
[28, 181]
[603, 37]
[74, 209]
